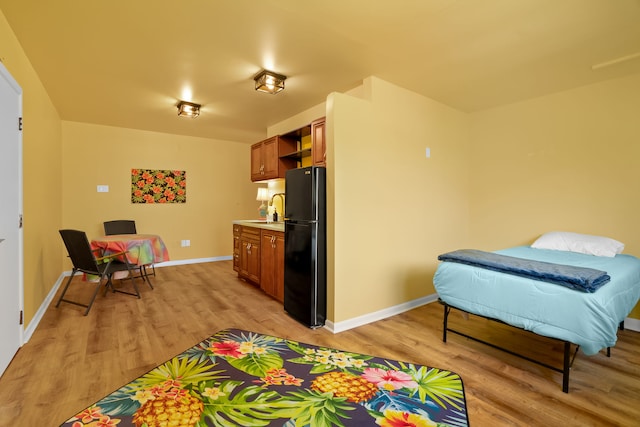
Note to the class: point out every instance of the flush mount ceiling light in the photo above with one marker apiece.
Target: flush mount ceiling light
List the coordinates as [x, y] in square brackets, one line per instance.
[269, 82]
[188, 109]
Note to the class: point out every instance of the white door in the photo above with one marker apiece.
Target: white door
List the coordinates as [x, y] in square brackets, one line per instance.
[11, 276]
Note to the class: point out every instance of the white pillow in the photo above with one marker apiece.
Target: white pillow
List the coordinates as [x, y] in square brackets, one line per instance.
[582, 243]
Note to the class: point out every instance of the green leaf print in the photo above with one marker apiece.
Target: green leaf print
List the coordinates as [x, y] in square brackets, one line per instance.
[257, 365]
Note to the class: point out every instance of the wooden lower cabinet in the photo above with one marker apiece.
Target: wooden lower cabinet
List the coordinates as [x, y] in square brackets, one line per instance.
[258, 257]
[272, 264]
[237, 231]
[249, 263]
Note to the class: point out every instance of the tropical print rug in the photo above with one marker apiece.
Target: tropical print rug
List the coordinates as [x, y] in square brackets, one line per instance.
[242, 378]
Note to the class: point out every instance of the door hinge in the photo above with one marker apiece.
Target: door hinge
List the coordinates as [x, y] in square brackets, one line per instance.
[20, 124]
[20, 222]
[21, 317]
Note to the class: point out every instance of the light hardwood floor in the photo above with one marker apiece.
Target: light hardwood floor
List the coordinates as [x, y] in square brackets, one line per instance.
[72, 361]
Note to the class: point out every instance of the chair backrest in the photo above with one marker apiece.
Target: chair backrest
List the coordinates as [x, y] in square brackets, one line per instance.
[120, 226]
[79, 250]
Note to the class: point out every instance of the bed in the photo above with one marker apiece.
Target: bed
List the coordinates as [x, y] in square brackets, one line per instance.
[587, 319]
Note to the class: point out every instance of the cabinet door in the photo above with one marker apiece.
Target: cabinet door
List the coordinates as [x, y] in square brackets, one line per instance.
[272, 265]
[257, 166]
[267, 278]
[278, 267]
[250, 260]
[243, 265]
[253, 262]
[237, 230]
[270, 158]
[249, 266]
[318, 144]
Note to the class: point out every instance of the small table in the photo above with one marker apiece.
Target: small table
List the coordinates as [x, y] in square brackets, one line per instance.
[141, 249]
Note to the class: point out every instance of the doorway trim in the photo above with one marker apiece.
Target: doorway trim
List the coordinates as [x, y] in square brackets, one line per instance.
[15, 87]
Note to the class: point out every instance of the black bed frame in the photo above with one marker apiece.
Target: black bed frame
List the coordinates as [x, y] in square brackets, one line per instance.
[568, 357]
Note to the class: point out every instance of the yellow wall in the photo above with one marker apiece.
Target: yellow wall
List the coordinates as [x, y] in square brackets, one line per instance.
[568, 161]
[391, 209]
[41, 140]
[219, 189]
[495, 178]
[64, 161]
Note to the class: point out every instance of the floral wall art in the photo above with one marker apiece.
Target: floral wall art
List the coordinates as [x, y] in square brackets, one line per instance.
[158, 186]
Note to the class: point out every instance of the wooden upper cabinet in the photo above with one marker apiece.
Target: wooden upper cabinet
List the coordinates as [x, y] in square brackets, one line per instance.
[273, 157]
[318, 142]
[266, 162]
[257, 165]
[270, 158]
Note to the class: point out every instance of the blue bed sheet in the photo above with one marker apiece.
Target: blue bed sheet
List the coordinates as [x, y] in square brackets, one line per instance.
[586, 319]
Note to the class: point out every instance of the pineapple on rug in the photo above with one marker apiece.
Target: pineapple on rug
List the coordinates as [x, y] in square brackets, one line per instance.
[243, 378]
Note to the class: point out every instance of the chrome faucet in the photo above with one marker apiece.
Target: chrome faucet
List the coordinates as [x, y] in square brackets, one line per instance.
[280, 214]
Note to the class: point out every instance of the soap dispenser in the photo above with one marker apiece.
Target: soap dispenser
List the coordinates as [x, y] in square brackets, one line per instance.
[275, 215]
[270, 211]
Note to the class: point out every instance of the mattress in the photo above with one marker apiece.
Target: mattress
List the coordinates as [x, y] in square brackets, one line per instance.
[589, 320]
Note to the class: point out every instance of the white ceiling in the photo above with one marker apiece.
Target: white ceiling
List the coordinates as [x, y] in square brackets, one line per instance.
[126, 63]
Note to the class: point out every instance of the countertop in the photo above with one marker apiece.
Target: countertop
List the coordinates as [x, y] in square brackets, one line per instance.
[260, 223]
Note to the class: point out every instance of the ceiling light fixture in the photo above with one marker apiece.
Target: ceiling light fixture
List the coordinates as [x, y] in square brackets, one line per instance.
[188, 109]
[269, 82]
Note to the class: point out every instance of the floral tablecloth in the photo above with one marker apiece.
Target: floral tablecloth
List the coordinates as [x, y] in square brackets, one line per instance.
[242, 378]
[142, 249]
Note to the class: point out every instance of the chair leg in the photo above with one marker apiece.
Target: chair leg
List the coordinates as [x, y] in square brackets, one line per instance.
[145, 275]
[93, 298]
[135, 286]
[108, 284]
[133, 282]
[64, 291]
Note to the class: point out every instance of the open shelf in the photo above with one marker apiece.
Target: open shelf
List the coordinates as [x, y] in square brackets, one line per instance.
[305, 152]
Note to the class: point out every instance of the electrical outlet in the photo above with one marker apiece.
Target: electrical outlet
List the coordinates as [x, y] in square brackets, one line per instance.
[185, 243]
[103, 188]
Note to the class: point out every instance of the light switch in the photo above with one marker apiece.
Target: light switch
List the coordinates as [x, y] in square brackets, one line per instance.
[103, 188]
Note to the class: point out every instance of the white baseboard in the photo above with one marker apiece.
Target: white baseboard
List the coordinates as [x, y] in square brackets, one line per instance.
[193, 261]
[629, 323]
[33, 324]
[632, 324]
[378, 315]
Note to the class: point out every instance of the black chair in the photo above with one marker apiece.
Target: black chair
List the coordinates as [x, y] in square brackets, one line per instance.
[84, 261]
[120, 226]
[126, 226]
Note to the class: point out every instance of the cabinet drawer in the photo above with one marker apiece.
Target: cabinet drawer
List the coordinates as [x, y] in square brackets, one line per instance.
[251, 232]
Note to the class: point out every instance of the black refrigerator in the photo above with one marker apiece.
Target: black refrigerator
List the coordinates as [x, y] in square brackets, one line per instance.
[305, 250]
